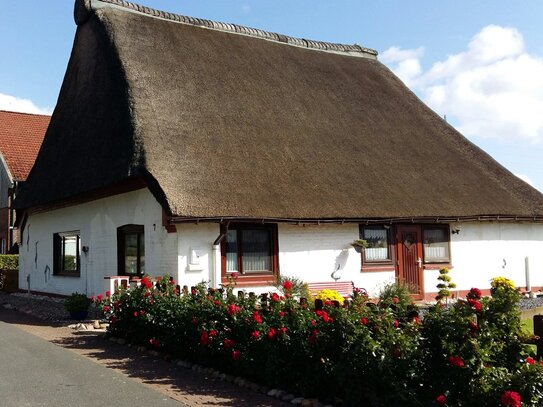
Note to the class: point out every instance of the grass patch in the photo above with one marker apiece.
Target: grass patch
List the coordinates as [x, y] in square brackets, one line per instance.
[527, 325]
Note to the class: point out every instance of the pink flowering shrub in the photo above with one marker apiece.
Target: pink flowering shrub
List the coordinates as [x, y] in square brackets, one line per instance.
[360, 354]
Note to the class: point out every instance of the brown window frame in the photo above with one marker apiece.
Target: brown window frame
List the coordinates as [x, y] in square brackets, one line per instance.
[428, 264]
[122, 231]
[253, 278]
[378, 265]
[59, 253]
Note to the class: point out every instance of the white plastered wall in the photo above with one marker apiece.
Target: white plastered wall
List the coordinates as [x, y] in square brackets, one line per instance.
[484, 250]
[97, 222]
[309, 252]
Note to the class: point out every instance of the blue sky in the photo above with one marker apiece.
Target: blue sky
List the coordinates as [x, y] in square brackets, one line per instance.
[480, 63]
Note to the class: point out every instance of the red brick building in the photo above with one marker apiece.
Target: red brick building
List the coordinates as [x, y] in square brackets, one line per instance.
[21, 135]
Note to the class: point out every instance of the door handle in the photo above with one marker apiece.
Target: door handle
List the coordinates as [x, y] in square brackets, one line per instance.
[419, 262]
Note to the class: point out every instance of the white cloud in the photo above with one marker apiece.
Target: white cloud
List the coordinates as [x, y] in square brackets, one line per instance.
[15, 104]
[492, 89]
[525, 178]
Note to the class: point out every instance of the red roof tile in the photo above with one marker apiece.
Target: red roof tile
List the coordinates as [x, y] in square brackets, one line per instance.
[21, 135]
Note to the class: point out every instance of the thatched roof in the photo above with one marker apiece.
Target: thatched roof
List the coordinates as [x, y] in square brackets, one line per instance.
[225, 121]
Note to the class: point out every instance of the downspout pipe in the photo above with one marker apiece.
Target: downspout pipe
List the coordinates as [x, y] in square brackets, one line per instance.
[215, 271]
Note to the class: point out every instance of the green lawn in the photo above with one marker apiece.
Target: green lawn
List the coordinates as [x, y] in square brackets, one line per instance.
[527, 325]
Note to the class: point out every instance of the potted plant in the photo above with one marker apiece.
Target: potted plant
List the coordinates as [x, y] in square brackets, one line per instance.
[359, 245]
[77, 305]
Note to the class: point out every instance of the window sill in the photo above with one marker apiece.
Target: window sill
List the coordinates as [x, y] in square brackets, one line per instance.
[437, 266]
[65, 274]
[371, 268]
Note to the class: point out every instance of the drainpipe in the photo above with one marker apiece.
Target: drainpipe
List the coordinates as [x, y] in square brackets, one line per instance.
[215, 271]
[527, 273]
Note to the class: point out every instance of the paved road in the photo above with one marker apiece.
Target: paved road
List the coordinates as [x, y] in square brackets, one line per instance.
[34, 372]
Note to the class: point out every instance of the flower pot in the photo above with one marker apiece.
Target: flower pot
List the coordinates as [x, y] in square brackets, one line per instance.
[359, 249]
[79, 315]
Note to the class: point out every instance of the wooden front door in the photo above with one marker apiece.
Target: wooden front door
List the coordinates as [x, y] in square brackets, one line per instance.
[409, 258]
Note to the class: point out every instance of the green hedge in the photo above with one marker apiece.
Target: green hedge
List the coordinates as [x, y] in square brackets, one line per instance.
[9, 261]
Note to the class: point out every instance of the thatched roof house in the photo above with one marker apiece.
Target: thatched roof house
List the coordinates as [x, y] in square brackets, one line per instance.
[224, 121]
[200, 149]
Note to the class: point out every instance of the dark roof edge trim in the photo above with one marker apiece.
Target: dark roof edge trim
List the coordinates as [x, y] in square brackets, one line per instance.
[366, 221]
[352, 50]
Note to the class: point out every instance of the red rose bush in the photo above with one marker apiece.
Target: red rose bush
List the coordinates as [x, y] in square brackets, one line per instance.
[359, 354]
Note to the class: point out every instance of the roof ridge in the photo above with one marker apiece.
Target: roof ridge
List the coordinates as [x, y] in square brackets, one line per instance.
[27, 113]
[235, 28]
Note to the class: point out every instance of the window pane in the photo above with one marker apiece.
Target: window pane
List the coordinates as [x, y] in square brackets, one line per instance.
[69, 250]
[256, 250]
[231, 244]
[436, 245]
[131, 253]
[377, 249]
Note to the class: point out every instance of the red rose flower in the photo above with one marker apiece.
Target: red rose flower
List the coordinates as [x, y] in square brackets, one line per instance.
[396, 324]
[456, 361]
[229, 343]
[213, 333]
[135, 313]
[204, 338]
[142, 312]
[257, 318]
[476, 305]
[275, 297]
[106, 308]
[255, 335]
[313, 337]
[475, 294]
[281, 313]
[364, 321]
[473, 326]
[194, 321]
[287, 285]
[146, 283]
[530, 360]
[108, 294]
[283, 330]
[313, 322]
[416, 320]
[236, 354]
[234, 275]
[395, 300]
[271, 334]
[217, 303]
[441, 399]
[511, 399]
[99, 297]
[154, 342]
[233, 309]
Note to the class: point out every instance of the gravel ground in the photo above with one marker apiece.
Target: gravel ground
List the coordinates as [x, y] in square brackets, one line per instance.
[42, 307]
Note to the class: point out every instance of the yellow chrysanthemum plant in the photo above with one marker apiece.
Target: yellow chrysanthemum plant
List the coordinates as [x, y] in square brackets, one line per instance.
[329, 295]
[503, 287]
[503, 282]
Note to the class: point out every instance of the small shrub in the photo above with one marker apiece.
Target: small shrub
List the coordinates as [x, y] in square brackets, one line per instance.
[9, 261]
[77, 303]
[445, 285]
